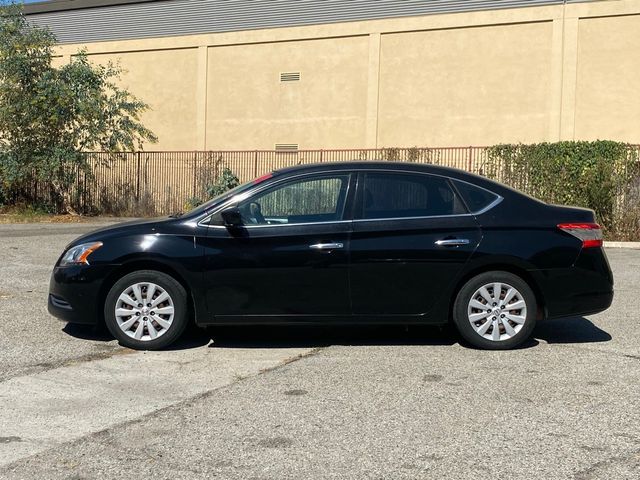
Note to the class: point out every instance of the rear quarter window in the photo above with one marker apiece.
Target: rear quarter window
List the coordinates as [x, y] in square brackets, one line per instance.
[476, 198]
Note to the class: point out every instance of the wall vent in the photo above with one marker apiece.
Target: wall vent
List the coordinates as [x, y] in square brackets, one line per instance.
[286, 147]
[290, 77]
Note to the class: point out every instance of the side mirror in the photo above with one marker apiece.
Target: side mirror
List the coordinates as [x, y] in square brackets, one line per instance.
[232, 216]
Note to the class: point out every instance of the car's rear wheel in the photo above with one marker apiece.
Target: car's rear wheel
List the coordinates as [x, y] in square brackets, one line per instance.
[146, 310]
[495, 311]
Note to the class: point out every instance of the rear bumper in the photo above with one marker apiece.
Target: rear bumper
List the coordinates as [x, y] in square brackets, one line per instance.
[74, 293]
[581, 304]
[583, 289]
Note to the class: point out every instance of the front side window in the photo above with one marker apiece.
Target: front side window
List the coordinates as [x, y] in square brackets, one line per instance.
[308, 200]
[400, 195]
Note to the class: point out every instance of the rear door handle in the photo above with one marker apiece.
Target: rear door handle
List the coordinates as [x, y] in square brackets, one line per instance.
[327, 246]
[452, 242]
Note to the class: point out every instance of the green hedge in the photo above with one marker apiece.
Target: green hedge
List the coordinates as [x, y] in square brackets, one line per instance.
[601, 175]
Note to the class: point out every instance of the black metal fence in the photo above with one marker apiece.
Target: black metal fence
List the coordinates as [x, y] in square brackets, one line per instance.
[158, 183]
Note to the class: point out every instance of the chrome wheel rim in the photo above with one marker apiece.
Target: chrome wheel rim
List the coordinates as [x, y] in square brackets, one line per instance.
[497, 311]
[144, 311]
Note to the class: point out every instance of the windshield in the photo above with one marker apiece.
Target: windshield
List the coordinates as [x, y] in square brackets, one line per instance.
[228, 194]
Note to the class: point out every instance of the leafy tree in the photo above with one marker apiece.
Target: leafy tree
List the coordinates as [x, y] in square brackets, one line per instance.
[50, 116]
[223, 180]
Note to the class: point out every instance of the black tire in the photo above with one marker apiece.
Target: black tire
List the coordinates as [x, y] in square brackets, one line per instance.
[177, 294]
[461, 314]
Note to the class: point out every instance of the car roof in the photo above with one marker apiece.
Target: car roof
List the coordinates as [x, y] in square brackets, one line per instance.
[374, 164]
[450, 172]
[385, 165]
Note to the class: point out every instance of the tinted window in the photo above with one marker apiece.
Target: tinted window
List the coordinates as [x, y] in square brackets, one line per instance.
[476, 198]
[393, 195]
[319, 199]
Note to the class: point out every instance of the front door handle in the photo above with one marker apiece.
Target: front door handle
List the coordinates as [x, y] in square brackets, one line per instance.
[327, 246]
[452, 242]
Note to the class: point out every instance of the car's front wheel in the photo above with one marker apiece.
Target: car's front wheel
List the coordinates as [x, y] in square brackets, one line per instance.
[146, 310]
[495, 311]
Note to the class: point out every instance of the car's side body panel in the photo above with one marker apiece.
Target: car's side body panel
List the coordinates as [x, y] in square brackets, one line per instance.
[398, 269]
[273, 271]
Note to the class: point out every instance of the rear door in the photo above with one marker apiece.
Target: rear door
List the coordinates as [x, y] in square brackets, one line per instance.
[412, 235]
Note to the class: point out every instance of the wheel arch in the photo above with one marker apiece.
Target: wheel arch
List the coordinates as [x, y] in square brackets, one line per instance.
[515, 269]
[137, 265]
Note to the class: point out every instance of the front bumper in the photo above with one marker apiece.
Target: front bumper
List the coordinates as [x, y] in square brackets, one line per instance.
[75, 293]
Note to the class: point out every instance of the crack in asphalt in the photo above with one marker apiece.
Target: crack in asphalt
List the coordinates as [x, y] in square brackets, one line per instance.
[599, 469]
[597, 350]
[187, 401]
[45, 367]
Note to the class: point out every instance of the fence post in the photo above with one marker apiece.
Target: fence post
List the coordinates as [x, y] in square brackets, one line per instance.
[195, 172]
[321, 155]
[137, 177]
[255, 164]
[84, 190]
[470, 166]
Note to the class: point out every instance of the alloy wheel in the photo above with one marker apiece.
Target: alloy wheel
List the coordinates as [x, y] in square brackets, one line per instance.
[497, 311]
[144, 311]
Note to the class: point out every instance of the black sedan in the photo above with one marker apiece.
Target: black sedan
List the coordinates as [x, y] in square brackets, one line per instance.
[356, 243]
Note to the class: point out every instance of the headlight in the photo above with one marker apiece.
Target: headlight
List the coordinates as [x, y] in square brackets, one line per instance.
[79, 254]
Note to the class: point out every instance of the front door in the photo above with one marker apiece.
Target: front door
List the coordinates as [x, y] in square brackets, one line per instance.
[289, 260]
[411, 237]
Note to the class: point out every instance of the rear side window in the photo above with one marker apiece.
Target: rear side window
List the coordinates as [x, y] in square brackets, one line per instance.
[399, 195]
[476, 198]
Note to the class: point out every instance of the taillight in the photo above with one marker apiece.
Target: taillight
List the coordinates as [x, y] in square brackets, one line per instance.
[589, 233]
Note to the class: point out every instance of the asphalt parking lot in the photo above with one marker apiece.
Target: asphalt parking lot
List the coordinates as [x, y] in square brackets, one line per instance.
[280, 403]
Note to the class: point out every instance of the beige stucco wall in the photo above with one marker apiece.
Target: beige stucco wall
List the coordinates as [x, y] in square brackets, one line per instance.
[521, 75]
[166, 80]
[608, 80]
[247, 103]
[470, 86]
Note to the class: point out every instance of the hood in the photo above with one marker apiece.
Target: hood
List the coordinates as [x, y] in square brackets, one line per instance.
[149, 225]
